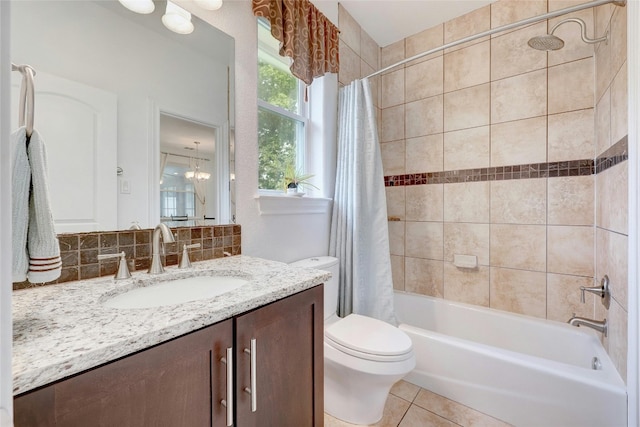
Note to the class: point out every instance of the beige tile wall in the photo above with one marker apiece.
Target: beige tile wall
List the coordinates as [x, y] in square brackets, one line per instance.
[496, 102]
[359, 57]
[611, 185]
[493, 102]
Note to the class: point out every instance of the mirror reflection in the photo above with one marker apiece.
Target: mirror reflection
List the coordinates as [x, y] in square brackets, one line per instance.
[115, 94]
[187, 172]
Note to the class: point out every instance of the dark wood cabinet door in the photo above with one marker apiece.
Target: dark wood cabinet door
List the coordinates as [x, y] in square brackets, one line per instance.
[289, 362]
[177, 383]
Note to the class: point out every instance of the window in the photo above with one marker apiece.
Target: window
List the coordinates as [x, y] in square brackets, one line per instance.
[282, 113]
[177, 194]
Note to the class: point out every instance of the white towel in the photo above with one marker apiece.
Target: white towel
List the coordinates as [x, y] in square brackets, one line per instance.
[45, 264]
[36, 251]
[21, 180]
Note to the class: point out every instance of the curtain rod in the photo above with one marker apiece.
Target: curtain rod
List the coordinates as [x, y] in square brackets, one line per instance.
[185, 156]
[523, 22]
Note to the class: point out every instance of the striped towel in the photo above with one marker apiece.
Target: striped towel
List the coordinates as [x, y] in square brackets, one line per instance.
[36, 251]
[21, 181]
[45, 264]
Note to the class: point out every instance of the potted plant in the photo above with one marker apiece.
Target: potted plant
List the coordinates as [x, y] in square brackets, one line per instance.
[294, 179]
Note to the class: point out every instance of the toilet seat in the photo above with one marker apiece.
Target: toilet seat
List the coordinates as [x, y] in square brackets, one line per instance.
[369, 339]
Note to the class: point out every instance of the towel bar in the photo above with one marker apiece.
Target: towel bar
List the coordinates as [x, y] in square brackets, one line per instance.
[27, 96]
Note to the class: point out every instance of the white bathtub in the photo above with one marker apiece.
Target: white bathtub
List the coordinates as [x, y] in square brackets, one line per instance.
[522, 370]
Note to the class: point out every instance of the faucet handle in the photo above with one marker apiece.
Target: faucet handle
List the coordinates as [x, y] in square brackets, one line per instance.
[123, 269]
[602, 291]
[185, 262]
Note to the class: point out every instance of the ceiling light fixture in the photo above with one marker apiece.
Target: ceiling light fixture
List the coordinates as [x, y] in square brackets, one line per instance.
[139, 6]
[177, 19]
[197, 174]
[209, 4]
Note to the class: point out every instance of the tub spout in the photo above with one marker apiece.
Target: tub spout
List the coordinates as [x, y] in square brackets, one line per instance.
[600, 326]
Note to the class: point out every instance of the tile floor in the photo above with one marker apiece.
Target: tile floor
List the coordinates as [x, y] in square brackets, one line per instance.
[411, 406]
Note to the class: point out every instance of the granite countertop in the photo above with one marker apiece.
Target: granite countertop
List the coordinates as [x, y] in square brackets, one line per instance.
[64, 329]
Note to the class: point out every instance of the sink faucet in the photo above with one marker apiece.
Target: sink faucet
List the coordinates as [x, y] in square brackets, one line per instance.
[600, 326]
[156, 262]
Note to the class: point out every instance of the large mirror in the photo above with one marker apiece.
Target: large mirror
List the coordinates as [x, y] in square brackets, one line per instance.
[121, 102]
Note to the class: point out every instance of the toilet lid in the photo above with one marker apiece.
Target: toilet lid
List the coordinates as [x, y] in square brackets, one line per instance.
[367, 335]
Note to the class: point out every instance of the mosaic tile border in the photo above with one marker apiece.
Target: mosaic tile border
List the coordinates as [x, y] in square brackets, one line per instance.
[613, 156]
[79, 251]
[616, 154]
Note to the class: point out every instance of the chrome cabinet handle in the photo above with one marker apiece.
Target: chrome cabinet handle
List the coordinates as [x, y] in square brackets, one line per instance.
[228, 402]
[252, 390]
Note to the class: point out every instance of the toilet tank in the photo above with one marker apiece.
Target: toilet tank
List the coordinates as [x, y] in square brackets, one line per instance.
[332, 265]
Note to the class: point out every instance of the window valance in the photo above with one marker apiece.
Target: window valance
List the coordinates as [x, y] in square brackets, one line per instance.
[305, 35]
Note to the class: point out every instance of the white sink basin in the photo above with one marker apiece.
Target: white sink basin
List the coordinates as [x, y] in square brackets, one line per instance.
[176, 292]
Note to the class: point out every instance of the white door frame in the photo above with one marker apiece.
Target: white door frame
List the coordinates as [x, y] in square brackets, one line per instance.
[633, 358]
[6, 326]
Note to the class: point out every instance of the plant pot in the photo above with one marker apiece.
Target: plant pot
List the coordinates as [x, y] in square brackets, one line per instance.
[292, 188]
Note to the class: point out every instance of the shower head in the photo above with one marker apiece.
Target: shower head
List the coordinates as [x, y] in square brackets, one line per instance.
[550, 42]
[547, 42]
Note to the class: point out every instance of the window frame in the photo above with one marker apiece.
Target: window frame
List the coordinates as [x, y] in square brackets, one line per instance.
[188, 190]
[164, 196]
[302, 117]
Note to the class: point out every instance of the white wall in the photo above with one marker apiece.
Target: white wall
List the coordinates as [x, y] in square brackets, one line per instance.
[140, 66]
[279, 237]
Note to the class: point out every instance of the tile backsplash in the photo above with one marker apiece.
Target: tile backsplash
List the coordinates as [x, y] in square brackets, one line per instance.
[79, 251]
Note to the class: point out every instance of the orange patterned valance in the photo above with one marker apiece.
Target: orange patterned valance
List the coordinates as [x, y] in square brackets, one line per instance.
[305, 35]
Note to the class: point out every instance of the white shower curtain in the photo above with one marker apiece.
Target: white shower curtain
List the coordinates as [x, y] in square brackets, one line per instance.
[359, 232]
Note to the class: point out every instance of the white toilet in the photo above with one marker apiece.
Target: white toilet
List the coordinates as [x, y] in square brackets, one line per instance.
[363, 357]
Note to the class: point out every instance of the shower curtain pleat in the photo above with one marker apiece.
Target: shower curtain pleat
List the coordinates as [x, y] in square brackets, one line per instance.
[359, 229]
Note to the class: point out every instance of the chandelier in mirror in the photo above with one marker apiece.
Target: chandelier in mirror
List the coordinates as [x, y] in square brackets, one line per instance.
[196, 174]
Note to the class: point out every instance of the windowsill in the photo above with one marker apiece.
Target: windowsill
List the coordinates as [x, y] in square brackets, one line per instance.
[281, 204]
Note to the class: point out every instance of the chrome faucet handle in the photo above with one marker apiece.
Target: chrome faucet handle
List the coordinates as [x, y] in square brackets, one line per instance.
[185, 262]
[123, 269]
[602, 291]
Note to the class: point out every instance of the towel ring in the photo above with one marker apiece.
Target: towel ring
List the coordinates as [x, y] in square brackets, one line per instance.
[27, 97]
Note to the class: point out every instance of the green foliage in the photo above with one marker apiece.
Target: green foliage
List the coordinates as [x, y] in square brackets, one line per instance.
[276, 134]
[295, 176]
[277, 87]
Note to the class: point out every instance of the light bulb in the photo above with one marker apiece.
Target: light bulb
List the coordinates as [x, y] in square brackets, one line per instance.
[139, 6]
[209, 4]
[177, 19]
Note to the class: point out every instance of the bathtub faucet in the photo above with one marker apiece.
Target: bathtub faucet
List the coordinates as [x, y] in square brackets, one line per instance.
[600, 326]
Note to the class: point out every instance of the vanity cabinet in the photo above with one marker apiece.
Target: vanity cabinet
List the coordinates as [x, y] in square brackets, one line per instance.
[183, 381]
[289, 369]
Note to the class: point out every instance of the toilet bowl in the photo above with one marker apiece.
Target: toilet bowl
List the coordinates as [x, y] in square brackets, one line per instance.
[363, 357]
